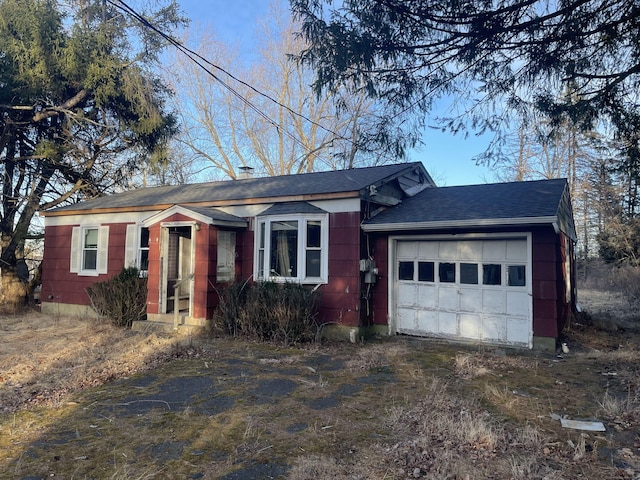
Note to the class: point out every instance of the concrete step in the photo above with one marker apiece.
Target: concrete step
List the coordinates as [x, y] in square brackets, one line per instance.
[165, 324]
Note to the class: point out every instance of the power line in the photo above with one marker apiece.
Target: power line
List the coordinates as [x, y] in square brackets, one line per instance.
[200, 61]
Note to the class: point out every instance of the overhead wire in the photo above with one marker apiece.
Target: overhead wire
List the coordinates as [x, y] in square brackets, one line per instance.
[202, 62]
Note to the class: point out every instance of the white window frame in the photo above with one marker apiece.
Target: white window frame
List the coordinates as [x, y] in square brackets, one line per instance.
[302, 220]
[133, 249]
[76, 263]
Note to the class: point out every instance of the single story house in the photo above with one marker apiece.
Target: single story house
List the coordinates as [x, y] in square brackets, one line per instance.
[389, 251]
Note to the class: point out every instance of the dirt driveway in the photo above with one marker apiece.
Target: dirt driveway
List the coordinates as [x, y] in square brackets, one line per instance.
[129, 405]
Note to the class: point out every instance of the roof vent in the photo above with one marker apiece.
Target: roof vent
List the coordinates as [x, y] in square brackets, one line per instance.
[245, 172]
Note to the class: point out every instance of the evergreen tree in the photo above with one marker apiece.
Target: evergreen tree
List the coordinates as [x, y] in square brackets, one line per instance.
[80, 110]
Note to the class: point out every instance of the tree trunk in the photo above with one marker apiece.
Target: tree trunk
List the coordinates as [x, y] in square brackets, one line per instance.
[14, 289]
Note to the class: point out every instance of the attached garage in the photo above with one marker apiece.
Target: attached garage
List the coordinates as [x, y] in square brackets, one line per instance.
[483, 263]
[472, 289]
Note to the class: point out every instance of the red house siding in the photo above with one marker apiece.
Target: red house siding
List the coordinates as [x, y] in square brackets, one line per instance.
[340, 297]
[379, 293]
[59, 285]
[550, 309]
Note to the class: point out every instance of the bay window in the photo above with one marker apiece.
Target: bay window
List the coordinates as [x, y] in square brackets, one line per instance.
[292, 248]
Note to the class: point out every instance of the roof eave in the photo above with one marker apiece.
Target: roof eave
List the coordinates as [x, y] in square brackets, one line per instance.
[484, 222]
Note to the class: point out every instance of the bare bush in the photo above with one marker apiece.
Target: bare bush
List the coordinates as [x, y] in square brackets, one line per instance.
[268, 311]
[122, 299]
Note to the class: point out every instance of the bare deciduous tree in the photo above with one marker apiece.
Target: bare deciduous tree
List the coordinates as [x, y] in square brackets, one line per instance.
[270, 119]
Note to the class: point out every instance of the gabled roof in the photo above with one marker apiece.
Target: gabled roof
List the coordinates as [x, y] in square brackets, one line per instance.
[292, 187]
[287, 208]
[209, 215]
[497, 204]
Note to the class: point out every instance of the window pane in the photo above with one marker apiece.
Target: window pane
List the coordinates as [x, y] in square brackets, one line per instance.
[405, 270]
[491, 274]
[91, 238]
[516, 274]
[90, 260]
[447, 272]
[261, 240]
[261, 264]
[313, 234]
[144, 237]
[144, 259]
[425, 271]
[313, 263]
[284, 249]
[469, 273]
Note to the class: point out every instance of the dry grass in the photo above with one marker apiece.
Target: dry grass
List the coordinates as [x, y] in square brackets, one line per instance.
[43, 359]
[421, 409]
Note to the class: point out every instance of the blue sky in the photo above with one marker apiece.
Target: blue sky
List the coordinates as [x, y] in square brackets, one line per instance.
[449, 158]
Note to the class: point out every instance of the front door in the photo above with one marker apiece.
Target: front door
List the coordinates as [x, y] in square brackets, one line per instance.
[177, 268]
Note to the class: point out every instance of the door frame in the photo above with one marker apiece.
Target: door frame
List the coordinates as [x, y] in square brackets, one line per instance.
[164, 251]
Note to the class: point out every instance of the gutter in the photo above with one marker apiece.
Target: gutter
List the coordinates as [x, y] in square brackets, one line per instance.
[487, 222]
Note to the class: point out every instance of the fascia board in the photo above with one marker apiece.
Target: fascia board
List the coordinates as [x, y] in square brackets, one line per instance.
[191, 214]
[485, 222]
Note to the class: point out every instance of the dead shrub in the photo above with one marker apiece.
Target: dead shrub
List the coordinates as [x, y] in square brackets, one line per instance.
[122, 299]
[268, 311]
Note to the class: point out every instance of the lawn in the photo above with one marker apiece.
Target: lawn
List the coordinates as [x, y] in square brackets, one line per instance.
[83, 400]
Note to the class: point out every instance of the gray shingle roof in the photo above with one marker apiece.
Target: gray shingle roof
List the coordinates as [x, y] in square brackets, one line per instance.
[338, 181]
[216, 214]
[515, 200]
[287, 208]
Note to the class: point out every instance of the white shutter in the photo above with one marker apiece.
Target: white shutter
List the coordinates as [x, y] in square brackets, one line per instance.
[76, 250]
[131, 246]
[226, 256]
[103, 249]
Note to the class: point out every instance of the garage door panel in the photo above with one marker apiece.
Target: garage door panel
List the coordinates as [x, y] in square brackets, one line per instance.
[428, 250]
[517, 250]
[470, 325]
[494, 250]
[470, 299]
[407, 249]
[518, 303]
[448, 298]
[407, 295]
[448, 251]
[427, 321]
[448, 323]
[428, 296]
[470, 250]
[406, 319]
[476, 311]
[494, 328]
[518, 330]
[494, 301]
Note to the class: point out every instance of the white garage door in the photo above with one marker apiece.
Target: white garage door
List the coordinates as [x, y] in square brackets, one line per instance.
[464, 289]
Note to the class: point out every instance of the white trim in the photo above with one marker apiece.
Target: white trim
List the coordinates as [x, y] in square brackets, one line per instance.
[198, 217]
[77, 250]
[103, 250]
[488, 222]
[131, 245]
[97, 218]
[302, 219]
[74, 254]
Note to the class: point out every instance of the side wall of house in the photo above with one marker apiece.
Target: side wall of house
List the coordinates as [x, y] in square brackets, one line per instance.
[59, 285]
[340, 297]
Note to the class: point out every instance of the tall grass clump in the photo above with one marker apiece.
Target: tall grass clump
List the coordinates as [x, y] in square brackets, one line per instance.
[268, 311]
[122, 299]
